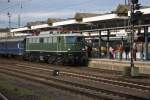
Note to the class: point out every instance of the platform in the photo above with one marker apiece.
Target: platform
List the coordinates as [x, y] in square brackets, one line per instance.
[118, 65]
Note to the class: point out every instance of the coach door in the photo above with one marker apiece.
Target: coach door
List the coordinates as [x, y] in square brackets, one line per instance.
[59, 49]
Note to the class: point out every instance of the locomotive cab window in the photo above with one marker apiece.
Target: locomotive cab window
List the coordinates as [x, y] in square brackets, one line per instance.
[80, 39]
[73, 39]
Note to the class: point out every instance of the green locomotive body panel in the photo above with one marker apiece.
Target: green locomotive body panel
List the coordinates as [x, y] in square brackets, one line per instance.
[60, 48]
[54, 43]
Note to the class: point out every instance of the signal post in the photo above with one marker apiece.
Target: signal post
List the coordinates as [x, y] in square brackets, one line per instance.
[134, 18]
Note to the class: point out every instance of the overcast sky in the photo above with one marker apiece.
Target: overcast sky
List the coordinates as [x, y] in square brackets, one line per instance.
[37, 10]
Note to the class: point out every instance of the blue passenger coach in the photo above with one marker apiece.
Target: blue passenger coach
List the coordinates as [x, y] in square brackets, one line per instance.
[12, 46]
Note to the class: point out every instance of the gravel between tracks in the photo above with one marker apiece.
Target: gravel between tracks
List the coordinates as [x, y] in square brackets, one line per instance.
[35, 91]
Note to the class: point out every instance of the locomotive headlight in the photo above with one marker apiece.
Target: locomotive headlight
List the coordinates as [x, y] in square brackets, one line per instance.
[69, 49]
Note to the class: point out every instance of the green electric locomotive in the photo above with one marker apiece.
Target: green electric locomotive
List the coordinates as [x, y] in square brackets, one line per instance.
[56, 49]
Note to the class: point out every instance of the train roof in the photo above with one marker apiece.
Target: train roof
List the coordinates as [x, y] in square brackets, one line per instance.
[12, 39]
[55, 35]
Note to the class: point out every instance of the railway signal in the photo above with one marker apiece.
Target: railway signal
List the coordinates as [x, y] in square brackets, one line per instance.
[135, 16]
[134, 1]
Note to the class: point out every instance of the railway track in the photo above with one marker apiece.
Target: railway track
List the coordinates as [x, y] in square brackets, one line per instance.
[2, 97]
[89, 85]
[100, 77]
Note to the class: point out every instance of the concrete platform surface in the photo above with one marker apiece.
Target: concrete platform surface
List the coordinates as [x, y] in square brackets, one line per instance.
[113, 64]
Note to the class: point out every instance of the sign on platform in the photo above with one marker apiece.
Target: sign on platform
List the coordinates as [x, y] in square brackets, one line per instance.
[121, 34]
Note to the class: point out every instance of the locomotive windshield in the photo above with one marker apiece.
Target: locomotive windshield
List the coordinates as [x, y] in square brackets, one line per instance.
[74, 39]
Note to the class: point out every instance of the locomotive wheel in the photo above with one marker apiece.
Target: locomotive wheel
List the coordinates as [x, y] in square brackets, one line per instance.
[37, 59]
[59, 60]
[31, 58]
[49, 60]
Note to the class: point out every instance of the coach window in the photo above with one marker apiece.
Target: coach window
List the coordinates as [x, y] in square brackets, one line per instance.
[45, 40]
[37, 40]
[30, 40]
[54, 39]
[34, 40]
[59, 39]
[41, 40]
[21, 45]
[50, 40]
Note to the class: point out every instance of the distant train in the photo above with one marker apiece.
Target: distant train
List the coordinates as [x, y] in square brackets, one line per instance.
[51, 48]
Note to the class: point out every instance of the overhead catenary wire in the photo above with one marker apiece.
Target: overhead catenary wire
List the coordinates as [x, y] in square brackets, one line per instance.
[88, 2]
[3, 10]
[18, 4]
[66, 7]
[69, 7]
[14, 5]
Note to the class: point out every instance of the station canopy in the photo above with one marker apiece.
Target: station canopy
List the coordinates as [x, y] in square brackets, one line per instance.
[90, 21]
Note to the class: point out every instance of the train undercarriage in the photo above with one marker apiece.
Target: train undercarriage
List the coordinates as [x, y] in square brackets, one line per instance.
[60, 58]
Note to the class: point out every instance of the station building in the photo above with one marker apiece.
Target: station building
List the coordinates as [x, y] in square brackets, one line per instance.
[102, 31]
[4, 32]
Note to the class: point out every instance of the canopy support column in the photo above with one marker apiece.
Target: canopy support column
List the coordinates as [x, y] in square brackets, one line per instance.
[146, 43]
[108, 33]
[99, 44]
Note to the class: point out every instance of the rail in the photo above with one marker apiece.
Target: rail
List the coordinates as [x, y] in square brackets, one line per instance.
[2, 97]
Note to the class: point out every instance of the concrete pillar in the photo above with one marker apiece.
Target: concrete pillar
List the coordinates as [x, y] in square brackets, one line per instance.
[99, 44]
[146, 43]
[108, 33]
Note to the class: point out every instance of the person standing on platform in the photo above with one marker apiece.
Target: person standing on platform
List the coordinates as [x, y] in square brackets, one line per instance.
[89, 51]
[134, 51]
[127, 50]
[111, 53]
[141, 51]
[120, 51]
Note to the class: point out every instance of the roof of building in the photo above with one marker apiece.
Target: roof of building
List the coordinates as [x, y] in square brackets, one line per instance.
[52, 20]
[122, 9]
[120, 14]
[4, 29]
[36, 23]
[85, 15]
